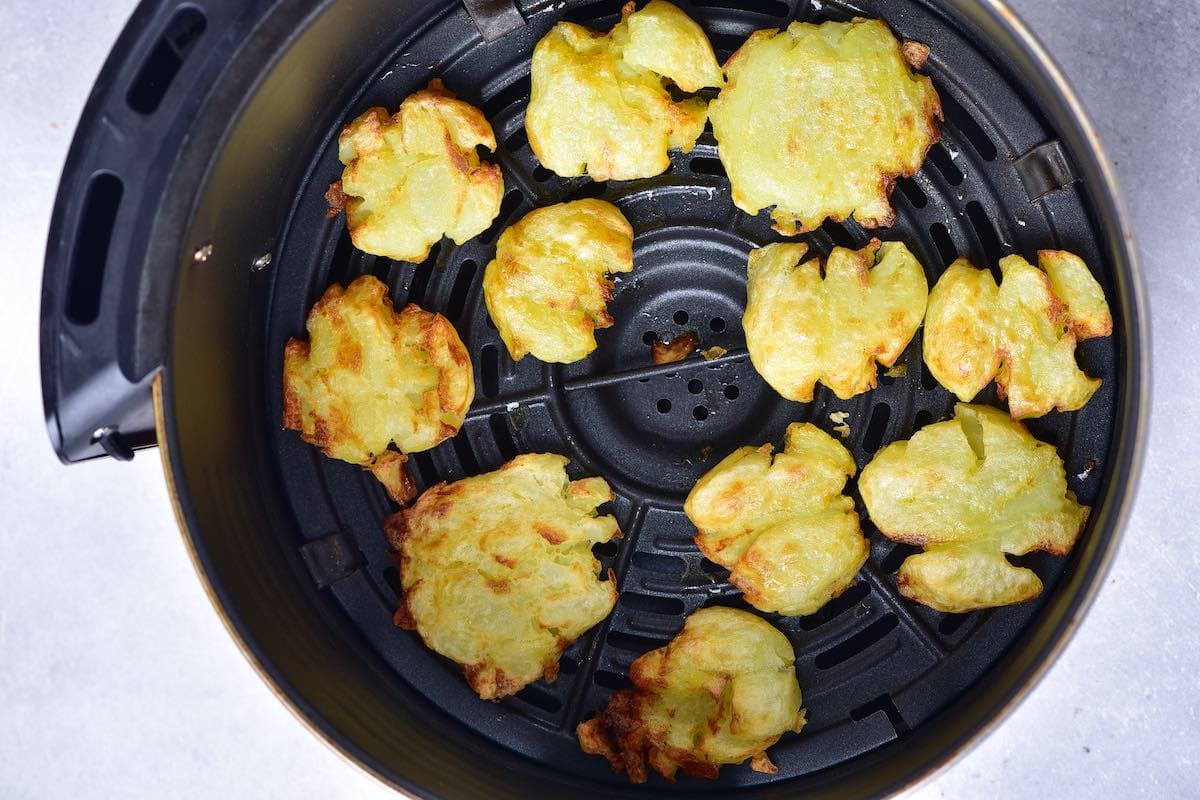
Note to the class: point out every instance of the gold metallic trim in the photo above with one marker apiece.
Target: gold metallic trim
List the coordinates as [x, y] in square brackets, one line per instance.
[160, 428]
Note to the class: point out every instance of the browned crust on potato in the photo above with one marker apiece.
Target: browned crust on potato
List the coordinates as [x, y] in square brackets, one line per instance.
[336, 199]
[675, 350]
[915, 53]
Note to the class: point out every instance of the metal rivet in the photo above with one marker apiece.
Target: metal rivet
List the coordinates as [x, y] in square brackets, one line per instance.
[261, 263]
[202, 253]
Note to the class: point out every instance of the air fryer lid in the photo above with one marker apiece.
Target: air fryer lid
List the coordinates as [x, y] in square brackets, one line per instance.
[234, 156]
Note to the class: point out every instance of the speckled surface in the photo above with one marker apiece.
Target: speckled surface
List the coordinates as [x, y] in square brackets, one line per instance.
[117, 679]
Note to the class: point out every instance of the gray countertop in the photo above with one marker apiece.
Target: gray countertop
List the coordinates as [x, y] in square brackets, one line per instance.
[118, 680]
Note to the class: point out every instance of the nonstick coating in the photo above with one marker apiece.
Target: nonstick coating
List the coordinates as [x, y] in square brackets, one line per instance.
[283, 532]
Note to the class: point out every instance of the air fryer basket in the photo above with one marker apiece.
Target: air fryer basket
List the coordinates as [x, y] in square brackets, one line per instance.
[198, 176]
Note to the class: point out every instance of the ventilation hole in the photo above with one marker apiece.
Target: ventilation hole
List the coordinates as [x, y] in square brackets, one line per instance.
[498, 424]
[724, 44]
[507, 207]
[343, 254]
[568, 665]
[836, 607]
[391, 578]
[950, 623]
[382, 269]
[986, 233]
[845, 650]
[840, 236]
[611, 680]
[663, 406]
[593, 12]
[632, 643]
[945, 245]
[969, 128]
[707, 166]
[731, 392]
[515, 92]
[887, 705]
[681, 317]
[717, 325]
[895, 557]
[517, 141]
[605, 549]
[422, 274]
[425, 468]
[909, 188]
[160, 68]
[541, 174]
[462, 286]
[649, 338]
[714, 569]
[700, 413]
[466, 456]
[876, 427]
[89, 254]
[695, 386]
[771, 8]
[922, 419]
[590, 189]
[655, 562]
[941, 160]
[539, 698]
[669, 606]
[491, 323]
[490, 369]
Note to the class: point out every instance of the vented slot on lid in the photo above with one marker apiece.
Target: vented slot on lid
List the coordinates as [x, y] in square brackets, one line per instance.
[162, 65]
[89, 254]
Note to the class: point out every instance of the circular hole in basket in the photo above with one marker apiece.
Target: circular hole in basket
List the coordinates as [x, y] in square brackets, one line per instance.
[664, 406]
[695, 386]
[681, 317]
[717, 324]
[731, 392]
[649, 337]
[700, 413]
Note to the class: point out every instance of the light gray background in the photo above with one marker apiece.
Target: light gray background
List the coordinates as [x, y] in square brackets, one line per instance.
[118, 680]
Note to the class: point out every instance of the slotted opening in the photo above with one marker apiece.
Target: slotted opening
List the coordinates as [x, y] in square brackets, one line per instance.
[89, 252]
[611, 680]
[539, 697]
[541, 174]
[343, 254]
[702, 165]
[909, 188]
[887, 705]
[876, 427]
[498, 425]
[656, 562]
[951, 623]
[957, 116]
[391, 579]
[987, 235]
[507, 206]
[714, 569]
[421, 275]
[770, 8]
[632, 643]
[836, 607]
[514, 92]
[425, 468]
[943, 242]
[466, 455]
[162, 65]
[655, 604]
[724, 44]
[461, 288]
[595, 12]
[921, 419]
[944, 164]
[858, 643]
[517, 140]
[605, 549]
[840, 236]
[489, 369]
[895, 557]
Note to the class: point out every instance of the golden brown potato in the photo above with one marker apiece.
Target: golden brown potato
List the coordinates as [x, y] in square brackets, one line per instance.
[723, 691]
[819, 120]
[497, 570]
[1022, 333]
[412, 178]
[782, 527]
[802, 328]
[547, 289]
[598, 104]
[369, 377]
[970, 490]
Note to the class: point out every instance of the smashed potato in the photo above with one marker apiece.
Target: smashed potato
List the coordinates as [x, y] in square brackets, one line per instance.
[598, 104]
[547, 289]
[721, 692]
[970, 490]
[1022, 332]
[497, 571]
[789, 537]
[370, 376]
[802, 328]
[819, 120]
[412, 178]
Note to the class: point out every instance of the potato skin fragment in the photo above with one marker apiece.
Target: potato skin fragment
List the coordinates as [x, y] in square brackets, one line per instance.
[790, 539]
[497, 571]
[818, 121]
[598, 105]
[370, 376]
[721, 692]
[1022, 333]
[970, 490]
[802, 328]
[547, 288]
[414, 177]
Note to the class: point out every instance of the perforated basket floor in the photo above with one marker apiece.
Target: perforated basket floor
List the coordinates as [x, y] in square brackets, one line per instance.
[871, 665]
